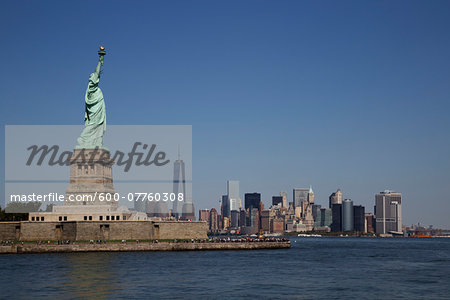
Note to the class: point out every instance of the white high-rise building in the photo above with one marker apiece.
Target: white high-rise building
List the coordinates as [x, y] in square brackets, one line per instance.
[335, 198]
[233, 194]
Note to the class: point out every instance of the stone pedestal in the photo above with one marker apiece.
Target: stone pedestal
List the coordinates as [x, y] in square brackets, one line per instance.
[90, 178]
[90, 181]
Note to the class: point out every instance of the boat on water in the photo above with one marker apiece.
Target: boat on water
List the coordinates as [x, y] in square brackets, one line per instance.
[421, 235]
[309, 235]
[275, 234]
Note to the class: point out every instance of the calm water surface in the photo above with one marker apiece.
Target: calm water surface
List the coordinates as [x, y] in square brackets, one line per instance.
[325, 268]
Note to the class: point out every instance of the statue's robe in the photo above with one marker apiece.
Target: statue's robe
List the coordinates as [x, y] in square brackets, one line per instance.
[94, 116]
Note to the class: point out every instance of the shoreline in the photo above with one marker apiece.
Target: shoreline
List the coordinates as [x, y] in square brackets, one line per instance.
[143, 246]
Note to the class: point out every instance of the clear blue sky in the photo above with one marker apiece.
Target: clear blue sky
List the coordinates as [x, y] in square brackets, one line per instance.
[280, 94]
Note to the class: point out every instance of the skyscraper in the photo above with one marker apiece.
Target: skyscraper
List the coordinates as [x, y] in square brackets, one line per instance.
[225, 206]
[277, 200]
[265, 220]
[252, 200]
[284, 195]
[203, 215]
[300, 198]
[179, 186]
[253, 220]
[242, 218]
[326, 217]
[310, 195]
[388, 212]
[358, 218]
[188, 211]
[347, 215]
[317, 215]
[233, 194]
[231, 201]
[336, 214]
[369, 224]
[335, 198]
[300, 195]
[213, 220]
[161, 209]
[252, 208]
[234, 218]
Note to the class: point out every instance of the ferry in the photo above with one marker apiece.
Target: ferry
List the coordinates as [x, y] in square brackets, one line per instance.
[421, 235]
[309, 235]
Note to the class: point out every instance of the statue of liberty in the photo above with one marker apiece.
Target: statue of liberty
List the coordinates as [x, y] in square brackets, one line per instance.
[95, 114]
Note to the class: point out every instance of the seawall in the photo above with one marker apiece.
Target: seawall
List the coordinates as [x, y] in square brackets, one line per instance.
[145, 246]
[102, 230]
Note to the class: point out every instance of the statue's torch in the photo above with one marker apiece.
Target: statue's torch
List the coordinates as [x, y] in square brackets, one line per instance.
[101, 53]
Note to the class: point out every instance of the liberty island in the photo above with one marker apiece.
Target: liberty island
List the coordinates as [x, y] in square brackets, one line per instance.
[91, 175]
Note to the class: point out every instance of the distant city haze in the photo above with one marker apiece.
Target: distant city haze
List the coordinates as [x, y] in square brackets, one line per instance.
[280, 95]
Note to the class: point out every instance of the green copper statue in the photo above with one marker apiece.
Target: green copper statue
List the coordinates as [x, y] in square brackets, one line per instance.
[95, 114]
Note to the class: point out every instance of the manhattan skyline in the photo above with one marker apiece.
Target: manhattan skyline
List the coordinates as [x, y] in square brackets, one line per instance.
[278, 96]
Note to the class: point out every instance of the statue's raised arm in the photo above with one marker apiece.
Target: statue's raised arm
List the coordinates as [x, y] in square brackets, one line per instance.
[98, 68]
[94, 78]
[95, 115]
[101, 57]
